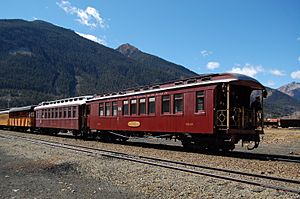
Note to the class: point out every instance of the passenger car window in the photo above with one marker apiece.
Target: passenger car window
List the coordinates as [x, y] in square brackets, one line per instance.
[133, 107]
[74, 111]
[178, 103]
[65, 112]
[107, 108]
[69, 112]
[114, 108]
[101, 109]
[142, 106]
[125, 107]
[199, 101]
[151, 105]
[166, 104]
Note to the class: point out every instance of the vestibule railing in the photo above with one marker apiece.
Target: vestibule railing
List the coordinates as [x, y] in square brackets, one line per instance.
[238, 118]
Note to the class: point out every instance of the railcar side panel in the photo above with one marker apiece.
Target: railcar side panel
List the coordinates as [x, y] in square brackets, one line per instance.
[188, 120]
[22, 117]
[59, 118]
[64, 123]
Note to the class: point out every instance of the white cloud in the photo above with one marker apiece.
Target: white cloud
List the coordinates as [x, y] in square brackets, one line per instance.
[277, 72]
[212, 65]
[299, 58]
[295, 74]
[89, 17]
[205, 53]
[247, 69]
[93, 38]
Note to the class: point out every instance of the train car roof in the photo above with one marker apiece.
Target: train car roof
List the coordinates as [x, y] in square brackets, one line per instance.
[208, 79]
[4, 112]
[24, 108]
[73, 101]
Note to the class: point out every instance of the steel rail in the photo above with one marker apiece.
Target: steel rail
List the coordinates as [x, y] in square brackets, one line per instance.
[162, 163]
[262, 156]
[179, 163]
[258, 156]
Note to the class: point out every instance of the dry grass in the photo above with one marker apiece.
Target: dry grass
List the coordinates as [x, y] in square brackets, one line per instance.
[281, 135]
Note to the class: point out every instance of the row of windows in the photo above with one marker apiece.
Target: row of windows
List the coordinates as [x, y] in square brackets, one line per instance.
[143, 106]
[68, 112]
[21, 114]
[178, 104]
[141, 103]
[111, 109]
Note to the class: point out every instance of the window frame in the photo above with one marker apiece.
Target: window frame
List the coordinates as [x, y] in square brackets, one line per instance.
[60, 112]
[200, 96]
[144, 106]
[133, 106]
[176, 98]
[125, 103]
[56, 112]
[65, 110]
[166, 104]
[69, 112]
[74, 111]
[107, 111]
[114, 108]
[101, 109]
[52, 113]
[149, 105]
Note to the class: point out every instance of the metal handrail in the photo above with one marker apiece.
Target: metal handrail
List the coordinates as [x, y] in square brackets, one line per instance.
[239, 117]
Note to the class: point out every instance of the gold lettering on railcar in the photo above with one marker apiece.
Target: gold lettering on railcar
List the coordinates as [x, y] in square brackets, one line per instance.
[189, 124]
[134, 124]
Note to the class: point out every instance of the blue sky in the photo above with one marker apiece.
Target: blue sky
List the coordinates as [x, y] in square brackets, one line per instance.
[259, 38]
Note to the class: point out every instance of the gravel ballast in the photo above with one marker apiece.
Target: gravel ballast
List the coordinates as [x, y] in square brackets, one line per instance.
[36, 171]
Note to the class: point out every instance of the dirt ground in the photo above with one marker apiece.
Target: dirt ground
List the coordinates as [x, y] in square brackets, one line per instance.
[280, 141]
[36, 171]
[27, 178]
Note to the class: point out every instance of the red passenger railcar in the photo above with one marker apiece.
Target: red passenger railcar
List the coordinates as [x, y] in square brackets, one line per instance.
[64, 114]
[210, 111]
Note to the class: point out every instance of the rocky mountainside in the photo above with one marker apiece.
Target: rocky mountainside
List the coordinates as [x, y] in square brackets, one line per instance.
[152, 61]
[292, 89]
[279, 104]
[39, 61]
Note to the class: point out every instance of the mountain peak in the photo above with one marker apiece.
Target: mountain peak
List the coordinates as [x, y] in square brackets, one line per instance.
[291, 89]
[65, 64]
[127, 49]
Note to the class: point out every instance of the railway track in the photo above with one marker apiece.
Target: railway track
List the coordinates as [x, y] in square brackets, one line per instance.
[270, 182]
[234, 154]
[266, 157]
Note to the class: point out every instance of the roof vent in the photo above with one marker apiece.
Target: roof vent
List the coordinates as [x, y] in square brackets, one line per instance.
[178, 83]
[191, 81]
[206, 79]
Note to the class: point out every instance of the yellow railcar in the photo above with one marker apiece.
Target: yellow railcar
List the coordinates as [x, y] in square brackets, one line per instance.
[22, 117]
[4, 117]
